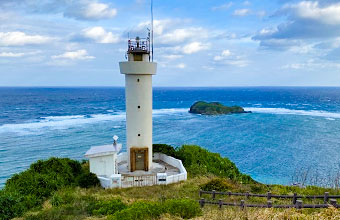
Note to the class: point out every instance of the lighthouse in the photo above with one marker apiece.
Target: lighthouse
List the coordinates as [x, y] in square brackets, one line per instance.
[138, 71]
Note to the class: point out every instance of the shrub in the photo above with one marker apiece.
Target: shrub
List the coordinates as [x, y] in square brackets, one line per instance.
[199, 161]
[139, 210]
[87, 180]
[42, 179]
[108, 207]
[63, 197]
[184, 208]
[217, 184]
[165, 149]
[11, 205]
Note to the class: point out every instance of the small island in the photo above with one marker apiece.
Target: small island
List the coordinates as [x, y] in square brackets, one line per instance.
[215, 108]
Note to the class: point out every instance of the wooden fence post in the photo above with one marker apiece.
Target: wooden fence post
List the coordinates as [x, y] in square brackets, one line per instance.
[298, 204]
[269, 195]
[202, 202]
[213, 194]
[269, 204]
[220, 203]
[333, 202]
[247, 195]
[325, 199]
[294, 198]
[242, 204]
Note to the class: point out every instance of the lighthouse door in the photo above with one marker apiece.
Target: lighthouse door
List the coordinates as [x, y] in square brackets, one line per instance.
[139, 159]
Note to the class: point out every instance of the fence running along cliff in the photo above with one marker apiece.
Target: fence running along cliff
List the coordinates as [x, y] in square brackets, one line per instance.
[296, 200]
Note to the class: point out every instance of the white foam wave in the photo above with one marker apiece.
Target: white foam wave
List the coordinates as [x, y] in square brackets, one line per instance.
[284, 111]
[169, 111]
[64, 122]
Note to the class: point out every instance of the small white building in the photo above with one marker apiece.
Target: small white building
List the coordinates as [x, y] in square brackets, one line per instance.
[103, 159]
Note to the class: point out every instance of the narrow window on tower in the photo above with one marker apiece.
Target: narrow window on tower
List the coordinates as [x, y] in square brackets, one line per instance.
[139, 106]
[138, 135]
[137, 80]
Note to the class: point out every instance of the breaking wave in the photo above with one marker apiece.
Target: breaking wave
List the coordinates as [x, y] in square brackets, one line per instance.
[64, 122]
[284, 111]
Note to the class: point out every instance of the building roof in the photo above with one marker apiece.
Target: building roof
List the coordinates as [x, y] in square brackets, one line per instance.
[103, 150]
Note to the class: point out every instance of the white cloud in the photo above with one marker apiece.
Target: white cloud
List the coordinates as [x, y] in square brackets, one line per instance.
[224, 54]
[311, 65]
[182, 34]
[226, 57]
[18, 38]
[222, 7]
[100, 35]
[10, 54]
[99, 10]
[247, 3]
[74, 55]
[311, 10]
[242, 12]
[91, 11]
[172, 56]
[159, 26]
[181, 66]
[194, 47]
[14, 54]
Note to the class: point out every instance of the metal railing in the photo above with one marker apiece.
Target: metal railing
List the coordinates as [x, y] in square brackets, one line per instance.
[139, 45]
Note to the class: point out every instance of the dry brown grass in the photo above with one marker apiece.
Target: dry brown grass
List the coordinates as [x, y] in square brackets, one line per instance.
[230, 213]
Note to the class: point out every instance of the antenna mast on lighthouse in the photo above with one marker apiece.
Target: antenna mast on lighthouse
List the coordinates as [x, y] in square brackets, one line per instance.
[152, 30]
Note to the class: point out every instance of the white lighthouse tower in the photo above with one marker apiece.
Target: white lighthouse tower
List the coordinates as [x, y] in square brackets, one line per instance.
[138, 72]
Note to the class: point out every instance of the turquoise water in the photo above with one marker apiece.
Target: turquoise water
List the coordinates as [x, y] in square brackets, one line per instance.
[290, 129]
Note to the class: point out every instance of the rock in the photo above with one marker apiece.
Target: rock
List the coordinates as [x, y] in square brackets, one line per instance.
[215, 108]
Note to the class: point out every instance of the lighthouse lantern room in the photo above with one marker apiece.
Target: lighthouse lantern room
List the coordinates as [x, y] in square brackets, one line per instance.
[138, 71]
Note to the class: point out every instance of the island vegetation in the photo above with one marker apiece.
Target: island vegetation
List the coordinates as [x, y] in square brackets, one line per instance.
[215, 108]
[60, 188]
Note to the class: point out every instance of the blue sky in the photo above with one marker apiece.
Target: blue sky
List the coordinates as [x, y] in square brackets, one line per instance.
[197, 43]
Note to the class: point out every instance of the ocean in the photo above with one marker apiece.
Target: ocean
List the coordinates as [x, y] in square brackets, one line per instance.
[291, 129]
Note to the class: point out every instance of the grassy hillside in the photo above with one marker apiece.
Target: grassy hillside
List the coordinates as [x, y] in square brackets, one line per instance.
[57, 189]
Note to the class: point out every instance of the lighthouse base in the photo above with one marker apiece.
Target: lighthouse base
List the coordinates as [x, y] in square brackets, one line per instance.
[164, 170]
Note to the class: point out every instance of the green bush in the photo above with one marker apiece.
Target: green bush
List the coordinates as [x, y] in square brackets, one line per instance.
[165, 149]
[199, 161]
[87, 180]
[108, 207]
[184, 208]
[139, 210]
[218, 184]
[63, 197]
[31, 187]
[10, 205]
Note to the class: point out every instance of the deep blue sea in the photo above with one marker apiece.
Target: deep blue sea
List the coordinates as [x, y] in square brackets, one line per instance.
[291, 129]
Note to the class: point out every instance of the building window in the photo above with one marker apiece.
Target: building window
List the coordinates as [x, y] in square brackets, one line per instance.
[139, 106]
[137, 80]
[138, 135]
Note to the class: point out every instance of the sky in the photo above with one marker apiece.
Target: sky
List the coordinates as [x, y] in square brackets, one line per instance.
[196, 43]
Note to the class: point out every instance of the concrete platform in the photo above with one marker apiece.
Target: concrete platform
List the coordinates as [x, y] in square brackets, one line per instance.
[158, 166]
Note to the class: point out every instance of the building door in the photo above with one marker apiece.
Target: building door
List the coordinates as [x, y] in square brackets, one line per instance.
[139, 159]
